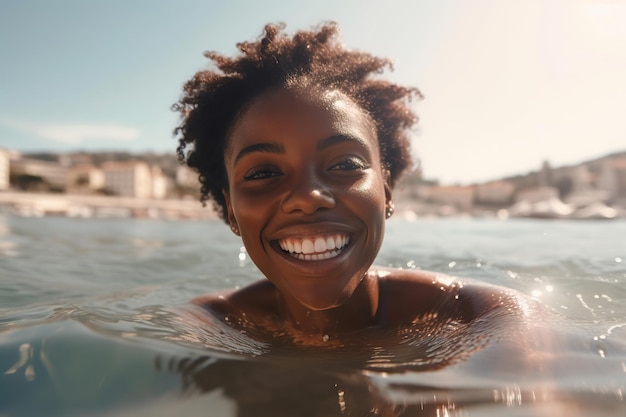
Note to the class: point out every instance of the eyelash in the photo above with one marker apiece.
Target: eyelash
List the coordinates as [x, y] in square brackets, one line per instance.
[352, 163]
[261, 173]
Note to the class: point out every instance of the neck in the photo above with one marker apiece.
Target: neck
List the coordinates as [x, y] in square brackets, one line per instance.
[359, 312]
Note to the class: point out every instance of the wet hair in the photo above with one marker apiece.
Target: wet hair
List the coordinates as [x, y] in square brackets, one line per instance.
[213, 98]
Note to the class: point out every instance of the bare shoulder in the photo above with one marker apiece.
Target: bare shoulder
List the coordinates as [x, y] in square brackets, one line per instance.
[251, 300]
[411, 293]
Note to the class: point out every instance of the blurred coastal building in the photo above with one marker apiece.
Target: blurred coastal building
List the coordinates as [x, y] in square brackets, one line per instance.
[4, 169]
[134, 179]
[160, 182]
[494, 193]
[460, 197]
[85, 179]
[612, 178]
[602, 180]
[36, 174]
[428, 197]
[186, 177]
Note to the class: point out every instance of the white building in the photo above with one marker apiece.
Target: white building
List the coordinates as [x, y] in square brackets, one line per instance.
[128, 179]
[135, 179]
[187, 177]
[4, 169]
[160, 183]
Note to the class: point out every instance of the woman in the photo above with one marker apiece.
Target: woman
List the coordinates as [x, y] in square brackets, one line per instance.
[298, 143]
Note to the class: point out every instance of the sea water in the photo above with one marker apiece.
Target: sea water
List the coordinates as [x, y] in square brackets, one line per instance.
[95, 321]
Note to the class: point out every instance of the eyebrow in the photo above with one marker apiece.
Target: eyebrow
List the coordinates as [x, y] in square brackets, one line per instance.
[279, 149]
[337, 139]
[260, 147]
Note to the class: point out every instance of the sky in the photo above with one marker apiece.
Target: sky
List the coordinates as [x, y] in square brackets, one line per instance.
[508, 84]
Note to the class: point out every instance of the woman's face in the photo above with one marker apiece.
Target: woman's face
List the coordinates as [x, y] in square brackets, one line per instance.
[308, 193]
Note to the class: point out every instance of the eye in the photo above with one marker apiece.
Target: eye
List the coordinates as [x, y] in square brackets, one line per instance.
[351, 163]
[261, 173]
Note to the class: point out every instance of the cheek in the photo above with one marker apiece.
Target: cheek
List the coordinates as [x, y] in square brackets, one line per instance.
[249, 212]
[369, 194]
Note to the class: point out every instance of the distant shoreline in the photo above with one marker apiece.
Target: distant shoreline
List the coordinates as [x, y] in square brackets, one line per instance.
[28, 204]
[76, 205]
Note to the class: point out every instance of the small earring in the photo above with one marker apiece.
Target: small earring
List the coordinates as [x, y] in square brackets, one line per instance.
[234, 229]
[389, 212]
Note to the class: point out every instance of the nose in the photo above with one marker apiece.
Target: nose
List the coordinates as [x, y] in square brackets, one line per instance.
[307, 196]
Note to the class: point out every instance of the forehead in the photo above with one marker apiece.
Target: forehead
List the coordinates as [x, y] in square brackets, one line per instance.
[279, 114]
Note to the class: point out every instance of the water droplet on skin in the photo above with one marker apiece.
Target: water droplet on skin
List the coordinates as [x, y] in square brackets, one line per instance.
[341, 400]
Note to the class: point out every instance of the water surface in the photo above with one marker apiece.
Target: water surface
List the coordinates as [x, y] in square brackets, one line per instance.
[94, 321]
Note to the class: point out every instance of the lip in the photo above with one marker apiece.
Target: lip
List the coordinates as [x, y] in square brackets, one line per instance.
[304, 230]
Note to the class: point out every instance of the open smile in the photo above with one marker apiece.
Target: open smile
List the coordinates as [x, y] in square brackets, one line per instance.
[315, 248]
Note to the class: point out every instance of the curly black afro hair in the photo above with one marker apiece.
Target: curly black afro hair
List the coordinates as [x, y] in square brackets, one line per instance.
[214, 98]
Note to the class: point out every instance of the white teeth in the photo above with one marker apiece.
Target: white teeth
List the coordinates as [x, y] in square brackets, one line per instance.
[317, 256]
[315, 248]
[307, 246]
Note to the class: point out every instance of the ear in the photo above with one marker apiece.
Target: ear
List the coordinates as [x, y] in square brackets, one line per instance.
[389, 206]
[230, 215]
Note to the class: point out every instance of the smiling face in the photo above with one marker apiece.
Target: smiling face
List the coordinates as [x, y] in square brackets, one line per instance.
[308, 193]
